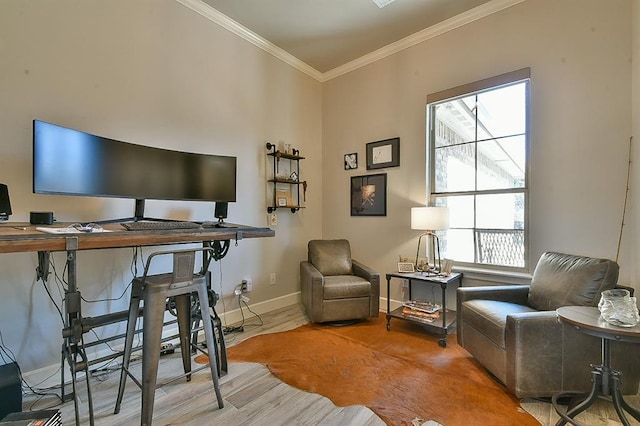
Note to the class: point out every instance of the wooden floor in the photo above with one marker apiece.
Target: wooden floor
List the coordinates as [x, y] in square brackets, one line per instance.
[252, 395]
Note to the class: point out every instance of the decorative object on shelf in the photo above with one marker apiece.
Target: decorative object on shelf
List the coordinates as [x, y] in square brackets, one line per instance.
[385, 153]
[429, 220]
[369, 195]
[286, 178]
[618, 307]
[447, 266]
[351, 161]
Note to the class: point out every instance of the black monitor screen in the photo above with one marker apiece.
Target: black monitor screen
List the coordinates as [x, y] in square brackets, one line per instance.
[70, 162]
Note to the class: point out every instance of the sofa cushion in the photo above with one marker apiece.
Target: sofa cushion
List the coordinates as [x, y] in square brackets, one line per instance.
[331, 257]
[489, 317]
[564, 279]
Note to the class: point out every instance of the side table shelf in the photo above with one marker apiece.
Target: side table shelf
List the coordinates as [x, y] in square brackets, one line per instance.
[290, 197]
[442, 325]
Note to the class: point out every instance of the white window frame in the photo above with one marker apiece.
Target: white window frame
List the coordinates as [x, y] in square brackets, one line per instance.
[492, 83]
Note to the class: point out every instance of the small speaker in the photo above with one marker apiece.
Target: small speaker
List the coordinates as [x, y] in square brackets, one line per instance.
[5, 205]
[10, 389]
[221, 211]
[41, 218]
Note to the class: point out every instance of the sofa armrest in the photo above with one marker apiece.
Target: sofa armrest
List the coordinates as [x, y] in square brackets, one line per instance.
[534, 353]
[311, 288]
[363, 271]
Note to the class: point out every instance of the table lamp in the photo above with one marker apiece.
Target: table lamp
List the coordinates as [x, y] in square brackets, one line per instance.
[430, 219]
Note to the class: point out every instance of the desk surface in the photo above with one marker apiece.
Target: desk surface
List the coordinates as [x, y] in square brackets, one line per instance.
[22, 237]
[588, 320]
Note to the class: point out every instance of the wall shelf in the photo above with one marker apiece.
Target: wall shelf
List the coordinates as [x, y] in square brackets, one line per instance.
[285, 180]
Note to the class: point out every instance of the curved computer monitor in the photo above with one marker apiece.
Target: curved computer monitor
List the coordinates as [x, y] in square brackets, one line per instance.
[71, 162]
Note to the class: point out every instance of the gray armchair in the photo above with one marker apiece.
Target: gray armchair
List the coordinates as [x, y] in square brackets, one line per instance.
[336, 287]
[515, 333]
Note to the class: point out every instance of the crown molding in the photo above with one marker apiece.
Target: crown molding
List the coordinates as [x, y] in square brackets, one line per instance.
[458, 21]
[465, 18]
[229, 24]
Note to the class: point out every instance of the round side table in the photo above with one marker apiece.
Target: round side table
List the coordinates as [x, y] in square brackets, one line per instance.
[606, 381]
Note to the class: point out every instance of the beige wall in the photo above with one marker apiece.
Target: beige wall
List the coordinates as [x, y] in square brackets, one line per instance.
[579, 53]
[151, 72]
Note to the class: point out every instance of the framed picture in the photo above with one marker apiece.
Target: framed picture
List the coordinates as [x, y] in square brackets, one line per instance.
[369, 195]
[351, 161]
[383, 154]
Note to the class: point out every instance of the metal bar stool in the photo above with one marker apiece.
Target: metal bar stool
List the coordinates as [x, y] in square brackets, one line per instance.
[154, 290]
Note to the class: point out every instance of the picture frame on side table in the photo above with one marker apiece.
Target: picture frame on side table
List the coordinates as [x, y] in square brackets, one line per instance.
[384, 153]
[369, 195]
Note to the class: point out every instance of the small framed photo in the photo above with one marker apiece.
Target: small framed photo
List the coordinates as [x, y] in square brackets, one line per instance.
[351, 161]
[369, 195]
[405, 267]
[385, 153]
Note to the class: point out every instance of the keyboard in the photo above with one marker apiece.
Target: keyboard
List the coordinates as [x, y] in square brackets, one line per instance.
[149, 225]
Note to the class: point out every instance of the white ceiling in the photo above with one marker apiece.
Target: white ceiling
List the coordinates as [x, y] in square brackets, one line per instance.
[327, 34]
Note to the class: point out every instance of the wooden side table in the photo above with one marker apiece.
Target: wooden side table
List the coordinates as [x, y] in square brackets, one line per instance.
[606, 381]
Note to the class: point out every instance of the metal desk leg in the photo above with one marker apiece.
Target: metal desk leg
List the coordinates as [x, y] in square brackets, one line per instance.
[72, 333]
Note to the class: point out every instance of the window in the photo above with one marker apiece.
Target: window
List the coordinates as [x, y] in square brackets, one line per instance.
[478, 143]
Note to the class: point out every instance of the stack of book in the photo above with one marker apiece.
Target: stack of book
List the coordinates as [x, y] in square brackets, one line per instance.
[33, 418]
[424, 311]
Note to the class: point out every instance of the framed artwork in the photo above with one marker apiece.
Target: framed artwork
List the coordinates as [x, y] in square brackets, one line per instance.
[385, 153]
[369, 195]
[351, 161]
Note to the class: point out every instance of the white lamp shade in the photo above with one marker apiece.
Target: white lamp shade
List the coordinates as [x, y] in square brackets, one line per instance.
[430, 218]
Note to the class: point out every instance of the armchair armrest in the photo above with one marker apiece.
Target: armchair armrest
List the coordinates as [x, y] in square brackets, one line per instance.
[534, 352]
[363, 271]
[311, 288]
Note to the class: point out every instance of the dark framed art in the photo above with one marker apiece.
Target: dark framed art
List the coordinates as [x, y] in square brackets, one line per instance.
[385, 153]
[369, 195]
[351, 161]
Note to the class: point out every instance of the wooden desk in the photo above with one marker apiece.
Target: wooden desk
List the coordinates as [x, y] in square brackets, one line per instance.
[23, 237]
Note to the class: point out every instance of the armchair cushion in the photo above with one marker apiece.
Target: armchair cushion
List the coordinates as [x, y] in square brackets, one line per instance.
[331, 257]
[341, 286]
[490, 317]
[564, 280]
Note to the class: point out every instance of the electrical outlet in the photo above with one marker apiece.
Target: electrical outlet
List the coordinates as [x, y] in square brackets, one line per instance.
[273, 219]
[272, 278]
[247, 285]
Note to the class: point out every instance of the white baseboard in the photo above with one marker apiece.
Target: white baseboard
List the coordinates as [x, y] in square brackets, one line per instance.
[49, 376]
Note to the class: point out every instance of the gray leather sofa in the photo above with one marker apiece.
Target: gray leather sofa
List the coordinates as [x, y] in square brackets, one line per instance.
[336, 287]
[514, 332]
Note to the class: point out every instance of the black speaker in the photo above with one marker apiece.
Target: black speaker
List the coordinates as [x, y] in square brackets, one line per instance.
[10, 389]
[221, 211]
[5, 205]
[41, 218]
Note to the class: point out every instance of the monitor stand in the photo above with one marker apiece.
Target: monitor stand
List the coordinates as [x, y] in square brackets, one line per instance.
[138, 215]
